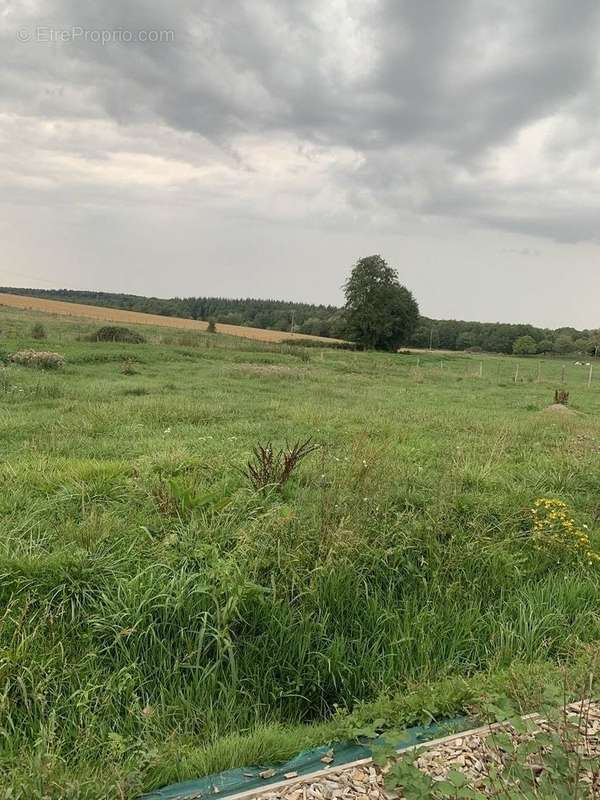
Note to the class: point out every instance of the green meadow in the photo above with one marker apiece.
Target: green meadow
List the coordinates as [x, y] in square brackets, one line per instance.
[161, 618]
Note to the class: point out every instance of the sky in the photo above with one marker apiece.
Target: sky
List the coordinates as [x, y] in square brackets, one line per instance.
[260, 147]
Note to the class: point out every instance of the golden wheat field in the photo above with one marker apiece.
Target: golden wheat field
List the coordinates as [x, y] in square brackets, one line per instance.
[139, 318]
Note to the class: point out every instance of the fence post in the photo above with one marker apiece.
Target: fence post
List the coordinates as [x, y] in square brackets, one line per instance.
[590, 376]
[517, 373]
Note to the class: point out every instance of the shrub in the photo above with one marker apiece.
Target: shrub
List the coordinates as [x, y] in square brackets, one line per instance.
[115, 333]
[38, 331]
[39, 360]
[212, 327]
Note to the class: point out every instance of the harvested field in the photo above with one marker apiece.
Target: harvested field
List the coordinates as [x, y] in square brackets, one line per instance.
[138, 318]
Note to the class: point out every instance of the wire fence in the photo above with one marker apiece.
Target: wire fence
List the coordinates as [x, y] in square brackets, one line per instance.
[560, 373]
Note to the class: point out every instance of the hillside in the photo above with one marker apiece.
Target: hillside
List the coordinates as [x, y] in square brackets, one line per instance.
[106, 314]
[327, 321]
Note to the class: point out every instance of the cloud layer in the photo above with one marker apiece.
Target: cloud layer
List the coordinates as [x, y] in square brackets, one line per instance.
[340, 115]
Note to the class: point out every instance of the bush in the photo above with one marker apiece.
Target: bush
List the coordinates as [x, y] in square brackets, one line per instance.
[39, 360]
[212, 327]
[114, 333]
[38, 331]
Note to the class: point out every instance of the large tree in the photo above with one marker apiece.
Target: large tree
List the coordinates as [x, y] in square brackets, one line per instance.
[380, 312]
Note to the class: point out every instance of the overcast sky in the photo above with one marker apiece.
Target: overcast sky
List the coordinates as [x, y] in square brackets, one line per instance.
[260, 147]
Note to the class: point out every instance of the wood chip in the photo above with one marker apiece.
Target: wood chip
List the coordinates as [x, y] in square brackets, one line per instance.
[267, 773]
[471, 754]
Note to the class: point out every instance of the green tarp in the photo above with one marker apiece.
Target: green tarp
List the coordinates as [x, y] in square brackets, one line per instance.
[234, 781]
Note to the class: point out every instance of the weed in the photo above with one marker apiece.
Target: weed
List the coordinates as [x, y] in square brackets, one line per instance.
[556, 533]
[270, 467]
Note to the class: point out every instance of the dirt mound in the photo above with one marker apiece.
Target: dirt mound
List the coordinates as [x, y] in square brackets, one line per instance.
[559, 408]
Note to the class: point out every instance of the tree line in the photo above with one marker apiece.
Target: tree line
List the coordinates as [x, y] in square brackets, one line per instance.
[498, 337]
[379, 312]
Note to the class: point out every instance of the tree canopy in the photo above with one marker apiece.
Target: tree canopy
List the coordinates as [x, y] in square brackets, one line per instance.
[380, 312]
[525, 346]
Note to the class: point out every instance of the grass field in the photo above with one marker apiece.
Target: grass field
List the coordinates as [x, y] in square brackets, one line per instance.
[57, 307]
[162, 619]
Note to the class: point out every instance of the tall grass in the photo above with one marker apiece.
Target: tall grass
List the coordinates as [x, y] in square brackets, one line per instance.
[151, 603]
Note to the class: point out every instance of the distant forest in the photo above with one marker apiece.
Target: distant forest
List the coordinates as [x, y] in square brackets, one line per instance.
[321, 320]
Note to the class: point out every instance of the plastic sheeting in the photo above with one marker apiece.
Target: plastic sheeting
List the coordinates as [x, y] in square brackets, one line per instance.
[234, 781]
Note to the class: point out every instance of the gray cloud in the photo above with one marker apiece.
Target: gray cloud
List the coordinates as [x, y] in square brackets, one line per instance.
[339, 115]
